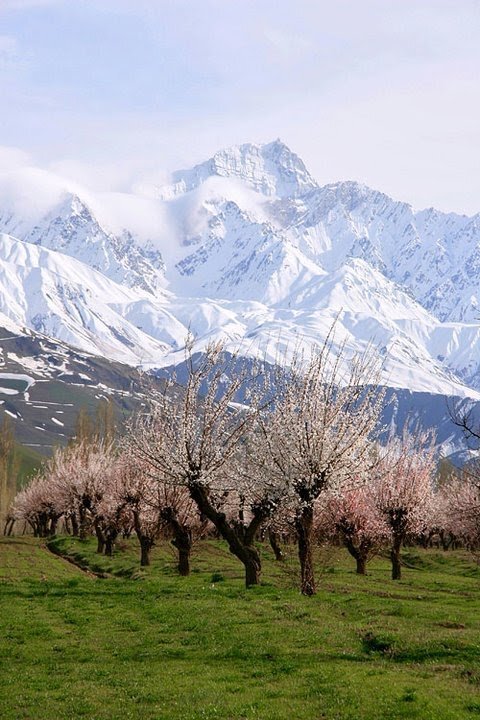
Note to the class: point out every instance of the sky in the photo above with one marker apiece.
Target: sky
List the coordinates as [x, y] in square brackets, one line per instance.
[113, 92]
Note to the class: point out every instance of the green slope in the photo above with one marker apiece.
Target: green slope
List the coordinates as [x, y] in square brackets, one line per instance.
[161, 647]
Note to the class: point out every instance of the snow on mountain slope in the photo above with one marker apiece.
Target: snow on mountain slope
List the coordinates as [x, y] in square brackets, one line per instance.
[244, 259]
[405, 338]
[433, 255]
[58, 219]
[436, 256]
[256, 253]
[61, 297]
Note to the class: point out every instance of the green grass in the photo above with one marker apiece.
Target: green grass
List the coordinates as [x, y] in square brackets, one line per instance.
[150, 645]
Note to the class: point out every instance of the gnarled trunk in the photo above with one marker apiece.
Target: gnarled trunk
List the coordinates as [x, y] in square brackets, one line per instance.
[100, 538]
[146, 542]
[360, 554]
[304, 528]
[446, 539]
[182, 540]
[395, 558]
[9, 527]
[75, 526]
[109, 546]
[361, 565]
[83, 524]
[253, 567]
[183, 543]
[145, 549]
[240, 537]
[53, 526]
[275, 545]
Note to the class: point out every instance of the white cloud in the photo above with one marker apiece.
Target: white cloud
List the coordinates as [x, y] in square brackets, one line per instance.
[30, 191]
[94, 175]
[12, 158]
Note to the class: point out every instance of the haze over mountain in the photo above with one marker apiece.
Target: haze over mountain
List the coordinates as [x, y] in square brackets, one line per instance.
[247, 247]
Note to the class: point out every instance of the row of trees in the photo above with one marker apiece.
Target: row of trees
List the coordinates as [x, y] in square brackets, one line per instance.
[298, 457]
[92, 487]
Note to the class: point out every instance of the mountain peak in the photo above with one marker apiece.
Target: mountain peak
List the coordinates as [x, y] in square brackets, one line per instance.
[351, 193]
[271, 169]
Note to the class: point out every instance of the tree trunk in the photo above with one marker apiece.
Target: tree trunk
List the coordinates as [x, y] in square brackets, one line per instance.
[304, 527]
[75, 528]
[146, 543]
[395, 558]
[275, 545]
[184, 561]
[183, 545]
[9, 527]
[182, 541]
[100, 538]
[361, 565]
[110, 538]
[145, 549]
[43, 526]
[83, 525]
[240, 538]
[253, 567]
[357, 553]
[445, 540]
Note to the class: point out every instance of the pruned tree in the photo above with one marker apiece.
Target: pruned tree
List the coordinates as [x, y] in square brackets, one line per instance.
[318, 436]
[158, 509]
[404, 480]
[78, 475]
[351, 515]
[198, 437]
[462, 493]
[111, 513]
[36, 505]
[461, 503]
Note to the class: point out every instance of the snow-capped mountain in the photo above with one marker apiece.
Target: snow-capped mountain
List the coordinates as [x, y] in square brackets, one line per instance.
[272, 170]
[436, 256]
[68, 225]
[248, 247]
[63, 298]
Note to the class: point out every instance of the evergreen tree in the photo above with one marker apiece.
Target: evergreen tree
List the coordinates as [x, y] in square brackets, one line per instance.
[9, 464]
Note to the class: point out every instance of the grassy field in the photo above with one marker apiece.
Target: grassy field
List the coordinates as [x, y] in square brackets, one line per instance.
[150, 645]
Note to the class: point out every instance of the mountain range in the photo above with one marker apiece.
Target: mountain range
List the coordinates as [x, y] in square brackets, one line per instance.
[249, 248]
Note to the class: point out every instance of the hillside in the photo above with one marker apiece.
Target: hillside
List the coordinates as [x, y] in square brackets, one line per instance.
[360, 650]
